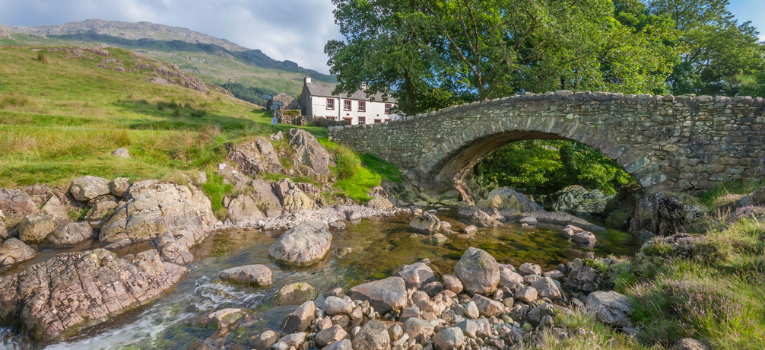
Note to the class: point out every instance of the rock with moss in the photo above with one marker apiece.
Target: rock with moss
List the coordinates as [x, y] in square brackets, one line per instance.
[295, 294]
[255, 275]
[610, 308]
[313, 158]
[243, 211]
[86, 188]
[71, 234]
[478, 271]
[35, 228]
[665, 213]
[507, 199]
[14, 251]
[101, 211]
[302, 245]
[425, 223]
[255, 157]
[291, 197]
[576, 199]
[223, 318]
[263, 196]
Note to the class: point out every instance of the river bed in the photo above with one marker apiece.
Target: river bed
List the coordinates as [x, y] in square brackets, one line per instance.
[377, 247]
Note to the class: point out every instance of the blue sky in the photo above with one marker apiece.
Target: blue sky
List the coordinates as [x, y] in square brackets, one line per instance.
[293, 30]
[750, 10]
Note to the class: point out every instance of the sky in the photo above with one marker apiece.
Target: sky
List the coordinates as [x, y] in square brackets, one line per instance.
[294, 30]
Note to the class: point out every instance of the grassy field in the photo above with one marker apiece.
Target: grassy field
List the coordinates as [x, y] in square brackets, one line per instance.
[60, 118]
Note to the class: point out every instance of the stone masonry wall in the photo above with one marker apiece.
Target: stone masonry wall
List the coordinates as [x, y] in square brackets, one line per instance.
[666, 142]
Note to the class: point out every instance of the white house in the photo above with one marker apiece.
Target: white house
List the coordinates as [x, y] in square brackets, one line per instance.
[317, 101]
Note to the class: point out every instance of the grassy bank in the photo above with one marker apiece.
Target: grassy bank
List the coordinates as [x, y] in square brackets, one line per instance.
[60, 118]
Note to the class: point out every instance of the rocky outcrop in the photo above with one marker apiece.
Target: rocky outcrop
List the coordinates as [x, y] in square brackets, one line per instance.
[507, 199]
[13, 251]
[73, 291]
[255, 157]
[478, 271]
[576, 199]
[315, 160]
[291, 197]
[154, 208]
[86, 188]
[664, 213]
[263, 194]
[302, 245]
[256, 275]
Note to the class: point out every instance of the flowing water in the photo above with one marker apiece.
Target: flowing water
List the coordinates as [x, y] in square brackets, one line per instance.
[378, 246]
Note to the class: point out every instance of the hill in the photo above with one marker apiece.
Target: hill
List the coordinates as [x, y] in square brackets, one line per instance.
[63, 110]
[215, 61]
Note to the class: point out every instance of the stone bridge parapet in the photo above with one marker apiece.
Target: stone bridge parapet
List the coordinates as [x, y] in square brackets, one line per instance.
[676, 143]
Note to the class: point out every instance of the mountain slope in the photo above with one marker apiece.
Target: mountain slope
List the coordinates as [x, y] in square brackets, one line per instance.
[215, 61]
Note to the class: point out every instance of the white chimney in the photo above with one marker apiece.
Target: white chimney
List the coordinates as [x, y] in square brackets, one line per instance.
[307, 79]
[363, 85]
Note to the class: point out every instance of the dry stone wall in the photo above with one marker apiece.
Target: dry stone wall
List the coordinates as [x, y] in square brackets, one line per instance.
[666, 142]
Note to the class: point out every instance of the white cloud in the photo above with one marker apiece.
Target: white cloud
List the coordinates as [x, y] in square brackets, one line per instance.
[294, 30]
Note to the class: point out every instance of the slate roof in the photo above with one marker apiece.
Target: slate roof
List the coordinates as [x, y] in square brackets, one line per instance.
[322, 89]
[288, 101]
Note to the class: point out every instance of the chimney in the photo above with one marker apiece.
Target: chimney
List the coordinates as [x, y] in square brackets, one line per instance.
[307, 79]
[363, 85]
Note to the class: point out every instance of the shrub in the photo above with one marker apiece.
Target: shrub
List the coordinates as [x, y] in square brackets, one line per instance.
[43, 58]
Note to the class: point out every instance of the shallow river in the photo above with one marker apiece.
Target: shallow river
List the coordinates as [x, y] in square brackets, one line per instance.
[378, 246]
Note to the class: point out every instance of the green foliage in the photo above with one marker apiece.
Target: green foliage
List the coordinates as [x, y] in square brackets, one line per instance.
[549, 166]
[215, 189]
[355, 178]
[710, 198]
[387, 170]
[249, 93]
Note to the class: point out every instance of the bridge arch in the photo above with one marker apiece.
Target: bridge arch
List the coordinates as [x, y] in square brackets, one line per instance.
[664, 142]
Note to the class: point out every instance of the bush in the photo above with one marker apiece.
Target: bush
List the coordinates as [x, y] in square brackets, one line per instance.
[43, 58]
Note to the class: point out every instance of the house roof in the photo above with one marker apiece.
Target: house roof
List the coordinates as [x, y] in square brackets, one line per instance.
[289, 101]
[317, 88]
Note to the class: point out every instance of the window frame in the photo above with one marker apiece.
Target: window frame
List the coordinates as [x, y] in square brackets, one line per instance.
[362, 103]
[362, 118]
[333, 104]
[388, 107]
[350, 105]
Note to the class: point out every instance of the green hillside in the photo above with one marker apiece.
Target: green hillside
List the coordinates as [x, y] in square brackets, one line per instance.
[214, 61]
[61, 116]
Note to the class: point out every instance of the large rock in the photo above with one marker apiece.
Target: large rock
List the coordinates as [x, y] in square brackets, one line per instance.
[267, 201]
[344, 344]
[384, 295]
[418, 328]
[330, 335]
[509, 278]
[291, 197]
[416, 275]
[244, 211]
[308, 152]
[256, 275]
[576, 199]
[224, 317]
[300, 319]
[36, 227]
[71, 234]
[73, 291]
[86, 188]
[255, 157]
[449, 339]
[101, 211]
[295, 294]
[488, 307]
[610, 308]
[373, 336]
[119, 186]
[265, 340]
[507, 199]
[425, 223]
[546, 288]
[585, 278]
[154, 208]
[665, 214]
[478, 271]
[302, 245]
[16, 203]
[13, 251]
[337, 306]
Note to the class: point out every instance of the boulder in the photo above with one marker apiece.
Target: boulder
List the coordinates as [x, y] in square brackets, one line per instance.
[119, 186]
[291, 197]
[302, 245]
[36, 227]
[488, 307]
[416, 275]
[418, 328]
[13, 251]
[530, 269]
[344, 344]
[308, 152]
[100, 212]
[373, 336]
[256, 275]
[291, 341]
[379, 203]
[264, 340]
[384, 295]
[577, 200]
[224, 318]
[243, 211]
[425, 223]
[610, 308]
[471, 310]
[86, 188]
[527, 294]
[269, 156]
[546, 288]
[584, 237]
[154, 208]
[121, 152]
[74, 291]
[256, 157]
[470, 230]
[263, 195]
[478, 271]
[172, 248]
[15, 204]
[507, 199]
[71, 234]
[337, 306]
[664, 214]
[583, 277]
[330, 335]
[509, 278]
[300, 319]
[55, 208]
[449, 339]
[452, 283]
[295, 294]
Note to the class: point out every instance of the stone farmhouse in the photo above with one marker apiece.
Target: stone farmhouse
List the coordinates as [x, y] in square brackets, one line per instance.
[318, 101]
[288, 101]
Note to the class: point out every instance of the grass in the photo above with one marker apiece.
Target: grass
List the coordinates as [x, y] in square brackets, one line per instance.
[62, 119]
[354, 179]
[387, 170]
[711, 198]
[712, 290]
[591, 334]
[215, 190]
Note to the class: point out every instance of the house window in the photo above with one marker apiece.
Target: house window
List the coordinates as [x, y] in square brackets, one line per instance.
[330, 118]
[362, 120]
[378, 121]
[347, 105]
[362, 106]
[330, 103]
[388, 106]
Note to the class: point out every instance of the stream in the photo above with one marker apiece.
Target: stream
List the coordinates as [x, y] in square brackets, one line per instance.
[378, 246]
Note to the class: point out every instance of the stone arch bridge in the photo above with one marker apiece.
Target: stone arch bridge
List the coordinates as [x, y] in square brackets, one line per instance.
[667, 143]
